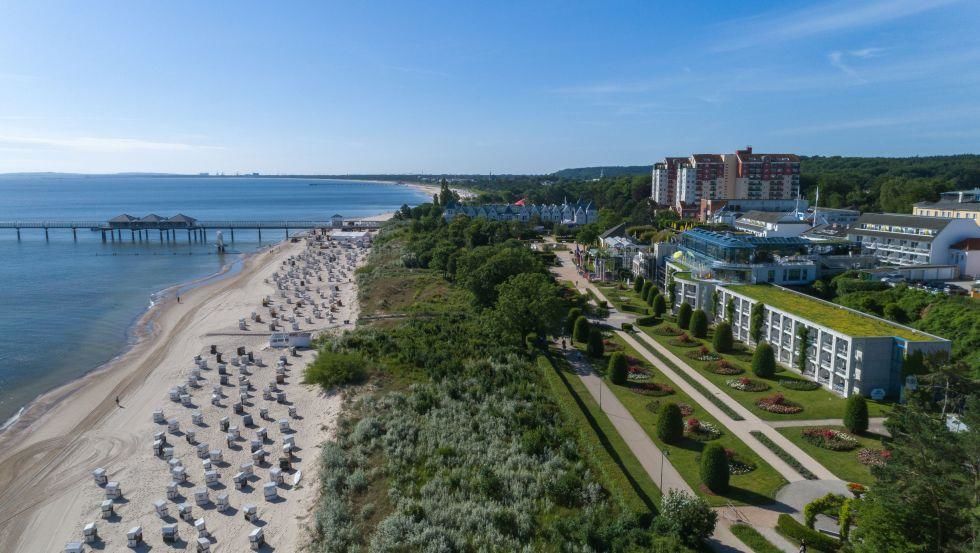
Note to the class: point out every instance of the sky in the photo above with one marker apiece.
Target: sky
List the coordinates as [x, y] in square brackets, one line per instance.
[464, 87]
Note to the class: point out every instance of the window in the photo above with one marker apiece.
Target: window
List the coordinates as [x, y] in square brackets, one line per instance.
[771, 277]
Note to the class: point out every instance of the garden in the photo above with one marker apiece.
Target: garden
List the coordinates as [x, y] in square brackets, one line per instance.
[849, 456]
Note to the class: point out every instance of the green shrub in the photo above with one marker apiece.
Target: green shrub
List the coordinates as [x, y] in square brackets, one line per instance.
[653, 296]
[856, 414]
[627, 327]
[638, 284]
[723, 341]
[764, 361]
[714, 468]
[594, 348]
[752, 538]
[796, 532]
[573, 315]
[730, 310]
[618, 368]
[659, 306]
[699, 323]
[687, 516]
[646, 321]
[645, 291]
[581, 331]
[670, 423]
[829, 505]
[755, 322]
[531, 340]
[332, 368]
[684, 315]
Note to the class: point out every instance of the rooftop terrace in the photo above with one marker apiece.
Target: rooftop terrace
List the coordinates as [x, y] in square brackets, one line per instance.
[827, 314]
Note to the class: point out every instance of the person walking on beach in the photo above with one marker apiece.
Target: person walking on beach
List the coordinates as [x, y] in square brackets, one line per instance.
[117, 402]
[178, 298]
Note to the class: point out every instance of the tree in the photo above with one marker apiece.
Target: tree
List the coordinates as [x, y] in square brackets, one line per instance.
[804, 334]
[715, 303]
[580, 332]
[714, 468]
[893, 312]
[672, 291]
[688, 517]
[618, 368]
[483, 273]
[595, 348]
[923, 495]
[723, 341]
[446, 195]
[638, 284]
[699, 323]
[528, 303]
[856, 414]
[755, 322]
[573, 315]
[654, 292]
[764, 361]
[659, 306]
[670, 424]
[684, 315]
[645, 291]
[730, 311]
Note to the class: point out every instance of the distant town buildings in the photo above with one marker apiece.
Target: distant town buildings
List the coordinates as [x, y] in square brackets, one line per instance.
[961, 204]
[578, 213]
[682, 183]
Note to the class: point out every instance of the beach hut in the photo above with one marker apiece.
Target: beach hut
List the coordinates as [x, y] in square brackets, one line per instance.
[202, 451]
[160, 506]
[256, 539]
[190, 436]
[289, 440]
[275, 475]
[259, 455]
[223, 424]
[203, 545]
[264, 413]
[284, 425]
[292, 412]
[197, 418]
[211, 478]
[250, 512]
[269, 491]
[172, 492]
[201, 497]
[90, 533]
[262, 434]
[173, 426]
[235, 432]
[247, 420]
[248, 469]
[221, 502]
[74, 547]
[113, 490]
[134, 537]
[161, 436]
[215, 455]
[169, 533]
[201, 527]
[239, 480]
[207, 464]
[185, 512]
[174, 394]
[107, 509]
[168, 453]
[158, 416]
[281, 397]
[100, 477]
[179, 474]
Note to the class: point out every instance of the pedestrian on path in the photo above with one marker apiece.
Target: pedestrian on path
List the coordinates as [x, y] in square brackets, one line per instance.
[563, 345]
[803, 546]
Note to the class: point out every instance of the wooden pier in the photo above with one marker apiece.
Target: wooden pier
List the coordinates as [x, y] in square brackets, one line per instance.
[140, 229]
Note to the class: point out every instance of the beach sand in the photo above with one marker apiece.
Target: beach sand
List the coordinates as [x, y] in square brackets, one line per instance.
[47, 492]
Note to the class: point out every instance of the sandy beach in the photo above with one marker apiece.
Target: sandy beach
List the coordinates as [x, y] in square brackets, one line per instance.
[47, 490]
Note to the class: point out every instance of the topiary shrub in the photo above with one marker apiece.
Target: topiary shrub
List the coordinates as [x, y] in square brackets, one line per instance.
[797, 533]
[570, 320]
[645, 290]
[764, 361]
[699, 323]
[856, 414]
[659, 306]
[581, 329]
[638, 284]
[618, 368]
[627, 327]
[653, 296]
[714, 468]
[670, 424]
[755, 322]
[684, 315]
[723, 340]
[646, 321]
[595, 348]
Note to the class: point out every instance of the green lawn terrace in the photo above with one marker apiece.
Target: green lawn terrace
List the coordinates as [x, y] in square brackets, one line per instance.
[836, 317]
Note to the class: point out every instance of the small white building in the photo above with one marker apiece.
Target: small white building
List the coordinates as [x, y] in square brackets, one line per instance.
[965, 254]
[358, 237]
[771, 224]
[290, 339]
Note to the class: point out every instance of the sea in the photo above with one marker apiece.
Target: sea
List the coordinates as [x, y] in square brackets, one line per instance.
[68, 306]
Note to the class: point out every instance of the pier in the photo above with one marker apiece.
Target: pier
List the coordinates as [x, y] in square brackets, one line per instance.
[167, 228]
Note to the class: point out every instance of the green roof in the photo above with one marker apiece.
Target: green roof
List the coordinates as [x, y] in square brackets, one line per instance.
[827, 314]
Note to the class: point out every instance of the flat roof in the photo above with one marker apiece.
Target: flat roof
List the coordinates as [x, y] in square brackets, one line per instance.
[836, 317]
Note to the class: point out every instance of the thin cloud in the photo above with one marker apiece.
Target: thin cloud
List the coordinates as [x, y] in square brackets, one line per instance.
[103, 145]
[885, 121]
[781, 26]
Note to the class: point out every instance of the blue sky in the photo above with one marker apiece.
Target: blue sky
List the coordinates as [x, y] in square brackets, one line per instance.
[337, 87]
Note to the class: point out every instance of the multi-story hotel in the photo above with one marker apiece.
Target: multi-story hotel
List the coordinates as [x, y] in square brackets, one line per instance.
[683, 183]
[961, 204]
[910, 239]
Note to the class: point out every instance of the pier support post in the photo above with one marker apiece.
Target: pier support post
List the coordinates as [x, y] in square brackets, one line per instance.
[204, 235]
[232, 235]
[18, 234]
[287, 232]
[103, 235]
[188, 236]
[260, 235]
[45, 234]
[161, 236]
[132, 236]
[74, 233]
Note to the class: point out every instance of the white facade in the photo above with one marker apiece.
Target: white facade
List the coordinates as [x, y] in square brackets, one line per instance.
[687, 191]
[659, 190]
[910, 239]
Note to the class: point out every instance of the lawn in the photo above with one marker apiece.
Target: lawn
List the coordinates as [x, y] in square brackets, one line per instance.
[752, 538]
[619, 469]
[844, 464]
[755, 488]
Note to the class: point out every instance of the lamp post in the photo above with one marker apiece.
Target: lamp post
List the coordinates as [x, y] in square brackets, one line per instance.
[663, 459]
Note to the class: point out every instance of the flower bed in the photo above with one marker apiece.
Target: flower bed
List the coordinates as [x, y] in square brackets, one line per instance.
[744, 384]
[736, 465]
[651, 389]
[609, 345]
[777, 403]
[828, 438]
[636, 373]
[801, 385]
[700, 430]
[667, 330]
[873, 457]
[723, 367]
[703, 354]
[683, 340]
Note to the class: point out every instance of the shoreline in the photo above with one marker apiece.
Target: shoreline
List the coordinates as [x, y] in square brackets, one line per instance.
[47, 455]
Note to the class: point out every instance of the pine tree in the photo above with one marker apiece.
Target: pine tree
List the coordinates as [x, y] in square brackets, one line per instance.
[764, 361]
[856, 414]
[714, 468]
[699, 323]
[670, 424]
[684, 315]
[618, 368]
[723, 341]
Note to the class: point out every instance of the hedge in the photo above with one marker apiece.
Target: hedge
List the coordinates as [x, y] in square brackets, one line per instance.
[646, 321]
[628, 327]
[783, 454]
[796, 532]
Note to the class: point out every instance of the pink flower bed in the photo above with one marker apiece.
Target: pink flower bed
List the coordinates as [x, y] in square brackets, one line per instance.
[777, 403]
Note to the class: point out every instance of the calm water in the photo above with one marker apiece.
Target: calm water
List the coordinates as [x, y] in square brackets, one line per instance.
[66, 307]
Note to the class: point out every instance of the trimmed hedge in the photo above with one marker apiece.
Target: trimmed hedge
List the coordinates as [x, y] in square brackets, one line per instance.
[659, 306]
[595, 348]
[670, 424]
[856, 414]
[684, 315]
[764, 361]
[723, 341]
[714, 468]
[618, 368]
[570, 320]
[752, 538]
[581, 329]
[791, 529]
[646, 321]
[699, 323]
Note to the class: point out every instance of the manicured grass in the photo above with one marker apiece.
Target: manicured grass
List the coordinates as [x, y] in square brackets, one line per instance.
[752, 538]
[755, 488]
[620, 470]
[844, 464]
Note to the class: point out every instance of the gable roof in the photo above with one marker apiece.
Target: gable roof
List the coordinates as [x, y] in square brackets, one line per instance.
[152, 218]
[618, 230]
[967, 245]
[123, 218]
[181, 218]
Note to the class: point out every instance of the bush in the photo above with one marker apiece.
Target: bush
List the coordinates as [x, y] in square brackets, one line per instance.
[646, 321]
[684, 315]
[654, 293]
[687, 516]
[582, 328]
[659, 306]
[627, 327]
[764, 361]
[638, 284]
[815, 541]
[723, 341]
[595, 347]
[714, 468]
[800, 385]
[531, 340]
[573, 315]
[332, 368]
[699, 323]
[618, 368]
[856, 414]
[645, 291]
[829, 505]
[670, 424]
[755, 321]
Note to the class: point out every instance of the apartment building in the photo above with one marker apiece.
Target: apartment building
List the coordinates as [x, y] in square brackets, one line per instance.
[664, 189]
[900, 239]
[848, 352]
[766, 176]
[961, 204]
